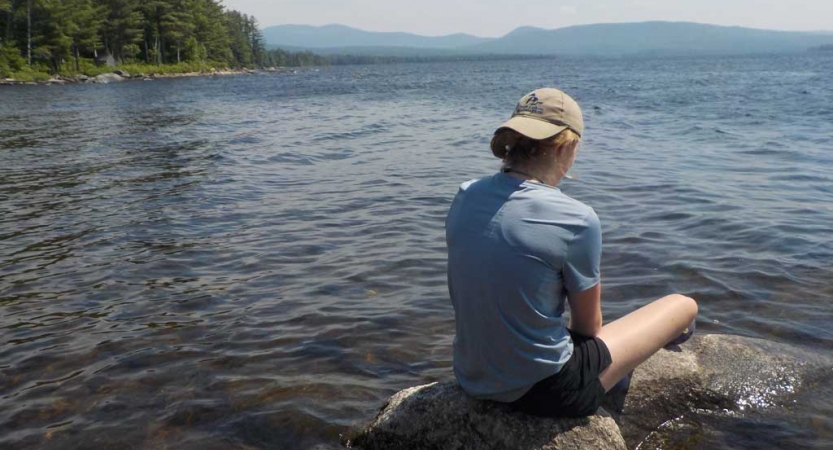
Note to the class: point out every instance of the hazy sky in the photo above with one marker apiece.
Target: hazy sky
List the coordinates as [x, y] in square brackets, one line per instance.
[496, 18]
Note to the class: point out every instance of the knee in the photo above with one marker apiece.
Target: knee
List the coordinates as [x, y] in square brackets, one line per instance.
[687, 304]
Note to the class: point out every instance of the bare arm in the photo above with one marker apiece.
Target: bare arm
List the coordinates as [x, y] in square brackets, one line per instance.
[586, 311]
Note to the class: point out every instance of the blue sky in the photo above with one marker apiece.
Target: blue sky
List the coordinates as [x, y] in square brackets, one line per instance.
[496, 18]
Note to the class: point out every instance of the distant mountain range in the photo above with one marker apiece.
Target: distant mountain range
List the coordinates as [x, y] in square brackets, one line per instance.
[599, 39]
[330, 36]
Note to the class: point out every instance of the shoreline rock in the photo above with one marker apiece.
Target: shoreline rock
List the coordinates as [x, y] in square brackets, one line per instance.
[106, 78]
[723, 376]
[442, 416]
[717, 374]
[122, 75]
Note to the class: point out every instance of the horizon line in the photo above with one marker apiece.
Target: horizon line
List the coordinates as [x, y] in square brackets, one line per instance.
[551, 29]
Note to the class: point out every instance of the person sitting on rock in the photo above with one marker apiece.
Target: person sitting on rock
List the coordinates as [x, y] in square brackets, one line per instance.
[519, 250]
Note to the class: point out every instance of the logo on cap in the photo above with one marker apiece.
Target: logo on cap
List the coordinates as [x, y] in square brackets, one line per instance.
[530, 106]
[533, 100]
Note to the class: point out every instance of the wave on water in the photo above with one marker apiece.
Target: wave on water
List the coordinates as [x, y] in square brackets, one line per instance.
[260, 261]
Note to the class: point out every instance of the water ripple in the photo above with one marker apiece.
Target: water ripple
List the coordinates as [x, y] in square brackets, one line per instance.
[260, 261]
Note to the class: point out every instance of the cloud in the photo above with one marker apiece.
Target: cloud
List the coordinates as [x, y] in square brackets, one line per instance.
[567, 9]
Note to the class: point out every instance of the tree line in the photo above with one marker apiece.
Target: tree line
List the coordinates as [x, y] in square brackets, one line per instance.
[279, 57]
[65, 36]
[59, 34]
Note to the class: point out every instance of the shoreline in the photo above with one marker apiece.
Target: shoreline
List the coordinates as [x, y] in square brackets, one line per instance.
[118, 75]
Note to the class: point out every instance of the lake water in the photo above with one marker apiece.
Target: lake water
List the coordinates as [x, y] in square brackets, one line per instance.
[259, 261]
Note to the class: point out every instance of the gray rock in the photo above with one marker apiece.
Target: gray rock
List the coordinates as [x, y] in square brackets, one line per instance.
[710, 375]
[105, 78]
[675, 397]
[82, 78]
[442, 416]
[122, 73]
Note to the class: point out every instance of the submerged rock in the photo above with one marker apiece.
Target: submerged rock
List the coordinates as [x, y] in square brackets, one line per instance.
[717, 376]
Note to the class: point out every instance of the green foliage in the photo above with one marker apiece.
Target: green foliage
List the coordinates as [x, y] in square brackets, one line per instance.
[30, 74]
[169, 69]
[86, 66]
[175, 25]
[74, 29]
[121, 32]
[283, 58]
[69, 35]
[10, 61]
[240, 43]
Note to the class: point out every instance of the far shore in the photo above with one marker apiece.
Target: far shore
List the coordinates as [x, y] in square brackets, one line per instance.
[118, 75]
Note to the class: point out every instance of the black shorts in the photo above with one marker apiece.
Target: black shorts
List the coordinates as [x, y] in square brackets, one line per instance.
[575, 391]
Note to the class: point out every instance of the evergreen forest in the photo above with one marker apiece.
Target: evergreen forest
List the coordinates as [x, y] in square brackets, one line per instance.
[40, 39]
[70, 36]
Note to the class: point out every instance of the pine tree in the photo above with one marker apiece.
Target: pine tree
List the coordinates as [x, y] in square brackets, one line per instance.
[240, 45]
[6, 9]
[122, 31]
[84, 26]
[256, 42]
[53, 31]
[7, 51]
[210, 31]
[152, 12]
[29, 32]
[74, 28]
[176, 26]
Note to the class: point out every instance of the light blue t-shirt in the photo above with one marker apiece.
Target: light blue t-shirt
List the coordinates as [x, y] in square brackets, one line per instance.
[515, 248]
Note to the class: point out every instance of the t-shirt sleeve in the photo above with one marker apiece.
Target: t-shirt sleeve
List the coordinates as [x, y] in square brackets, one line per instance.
[581, 266]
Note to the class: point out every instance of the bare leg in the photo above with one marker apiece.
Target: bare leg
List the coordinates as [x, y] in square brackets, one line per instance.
[634, 338]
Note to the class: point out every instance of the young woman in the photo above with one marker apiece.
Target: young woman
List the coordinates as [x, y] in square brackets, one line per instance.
[518, 250]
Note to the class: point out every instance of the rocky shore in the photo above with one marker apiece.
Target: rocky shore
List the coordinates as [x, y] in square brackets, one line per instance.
[712, 375]
[121, 75]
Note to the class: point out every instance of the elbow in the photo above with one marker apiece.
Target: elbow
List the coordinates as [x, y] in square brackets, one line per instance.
[588, 329]
[594, 330]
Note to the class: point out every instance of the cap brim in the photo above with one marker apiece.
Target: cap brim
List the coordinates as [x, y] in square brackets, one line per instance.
[533, 128]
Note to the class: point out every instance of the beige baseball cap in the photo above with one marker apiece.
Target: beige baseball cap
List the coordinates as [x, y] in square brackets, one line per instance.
[543, 113]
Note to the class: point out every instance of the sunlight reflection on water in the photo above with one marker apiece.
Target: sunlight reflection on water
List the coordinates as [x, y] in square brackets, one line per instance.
[260, 261]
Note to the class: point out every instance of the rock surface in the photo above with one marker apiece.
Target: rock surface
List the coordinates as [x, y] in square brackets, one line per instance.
[105, 78]
[122, 75]
[442, 416]
[717, 375]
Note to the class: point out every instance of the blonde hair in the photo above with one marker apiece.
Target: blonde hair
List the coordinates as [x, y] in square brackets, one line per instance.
[513, 147]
